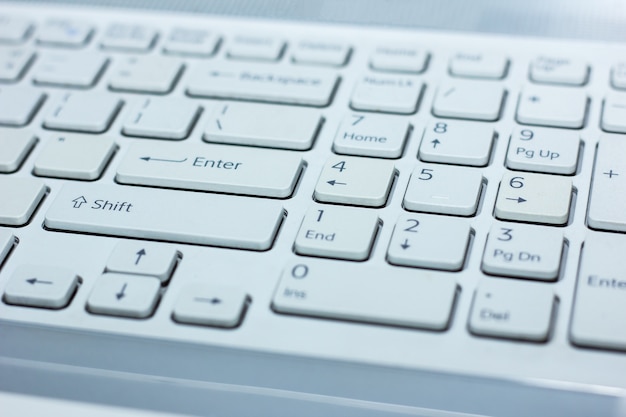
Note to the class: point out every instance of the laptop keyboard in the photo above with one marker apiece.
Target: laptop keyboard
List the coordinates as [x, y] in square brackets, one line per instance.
[213, 183]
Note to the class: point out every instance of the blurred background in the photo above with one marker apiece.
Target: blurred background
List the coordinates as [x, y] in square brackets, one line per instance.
[577, 19]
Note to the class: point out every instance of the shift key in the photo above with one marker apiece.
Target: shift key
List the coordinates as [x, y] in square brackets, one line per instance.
[168, 215]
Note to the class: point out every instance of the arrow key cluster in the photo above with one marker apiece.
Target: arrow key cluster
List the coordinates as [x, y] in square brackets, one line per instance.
[133, 278]
[41, 286]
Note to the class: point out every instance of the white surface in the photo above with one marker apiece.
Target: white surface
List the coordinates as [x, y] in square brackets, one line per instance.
[209, 305]
[332, 360]
[255, 48]
[399, 58]
[124, 295]
[162, 119]
[426, 241]
[264, 125]
[512, 310]
[74, 156]
[443, 189]
[320, 52]
[355, 181]
[20, 198]
[15, 145]
[558, 70]
[41, 286]
[267, 83]
[84, 112]
[371, 135]
[238, 170]
[552, 106]
[14, 29]
[523, 251]
[534, 198]
[553, 151]
[15, 61]
[479, 65]
[337, 232]
[387, 93]
[600, 294]
[34, 406]
[128, 37]
[422, 299]
[18, 105]
[143, 258]
[68, 69]
[473, 100]
[7, 241]
[191, 42]
[618, 75]
[456, 142]
[146, 213]
[152, 74]
[64, 33]
[614, 112]
[608, 196]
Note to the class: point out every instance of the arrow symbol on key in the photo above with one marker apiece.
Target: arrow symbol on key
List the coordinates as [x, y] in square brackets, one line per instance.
[122, 292]
[405, 245]
[435, 142]
[34, 281]
[140, 254]
[518, 199]
[149, 158]
[335, 182]
[221, 74]
[79, 201]
[213, 300]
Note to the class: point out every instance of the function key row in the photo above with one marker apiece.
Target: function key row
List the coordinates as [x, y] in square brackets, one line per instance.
[402, 58]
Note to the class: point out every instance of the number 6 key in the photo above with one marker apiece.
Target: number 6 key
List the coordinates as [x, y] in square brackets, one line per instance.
[534, 198]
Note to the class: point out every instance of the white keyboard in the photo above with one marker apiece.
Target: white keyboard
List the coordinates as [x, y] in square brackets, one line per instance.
[311, 219]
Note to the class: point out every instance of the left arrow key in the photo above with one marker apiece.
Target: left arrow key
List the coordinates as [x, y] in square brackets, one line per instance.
[41, 286]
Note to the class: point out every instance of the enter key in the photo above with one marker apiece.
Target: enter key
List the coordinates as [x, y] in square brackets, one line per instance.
[600, 304]
[216, 168]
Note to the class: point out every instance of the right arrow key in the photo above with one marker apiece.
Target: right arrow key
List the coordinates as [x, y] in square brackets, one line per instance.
[534, 198]
[210, 305]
